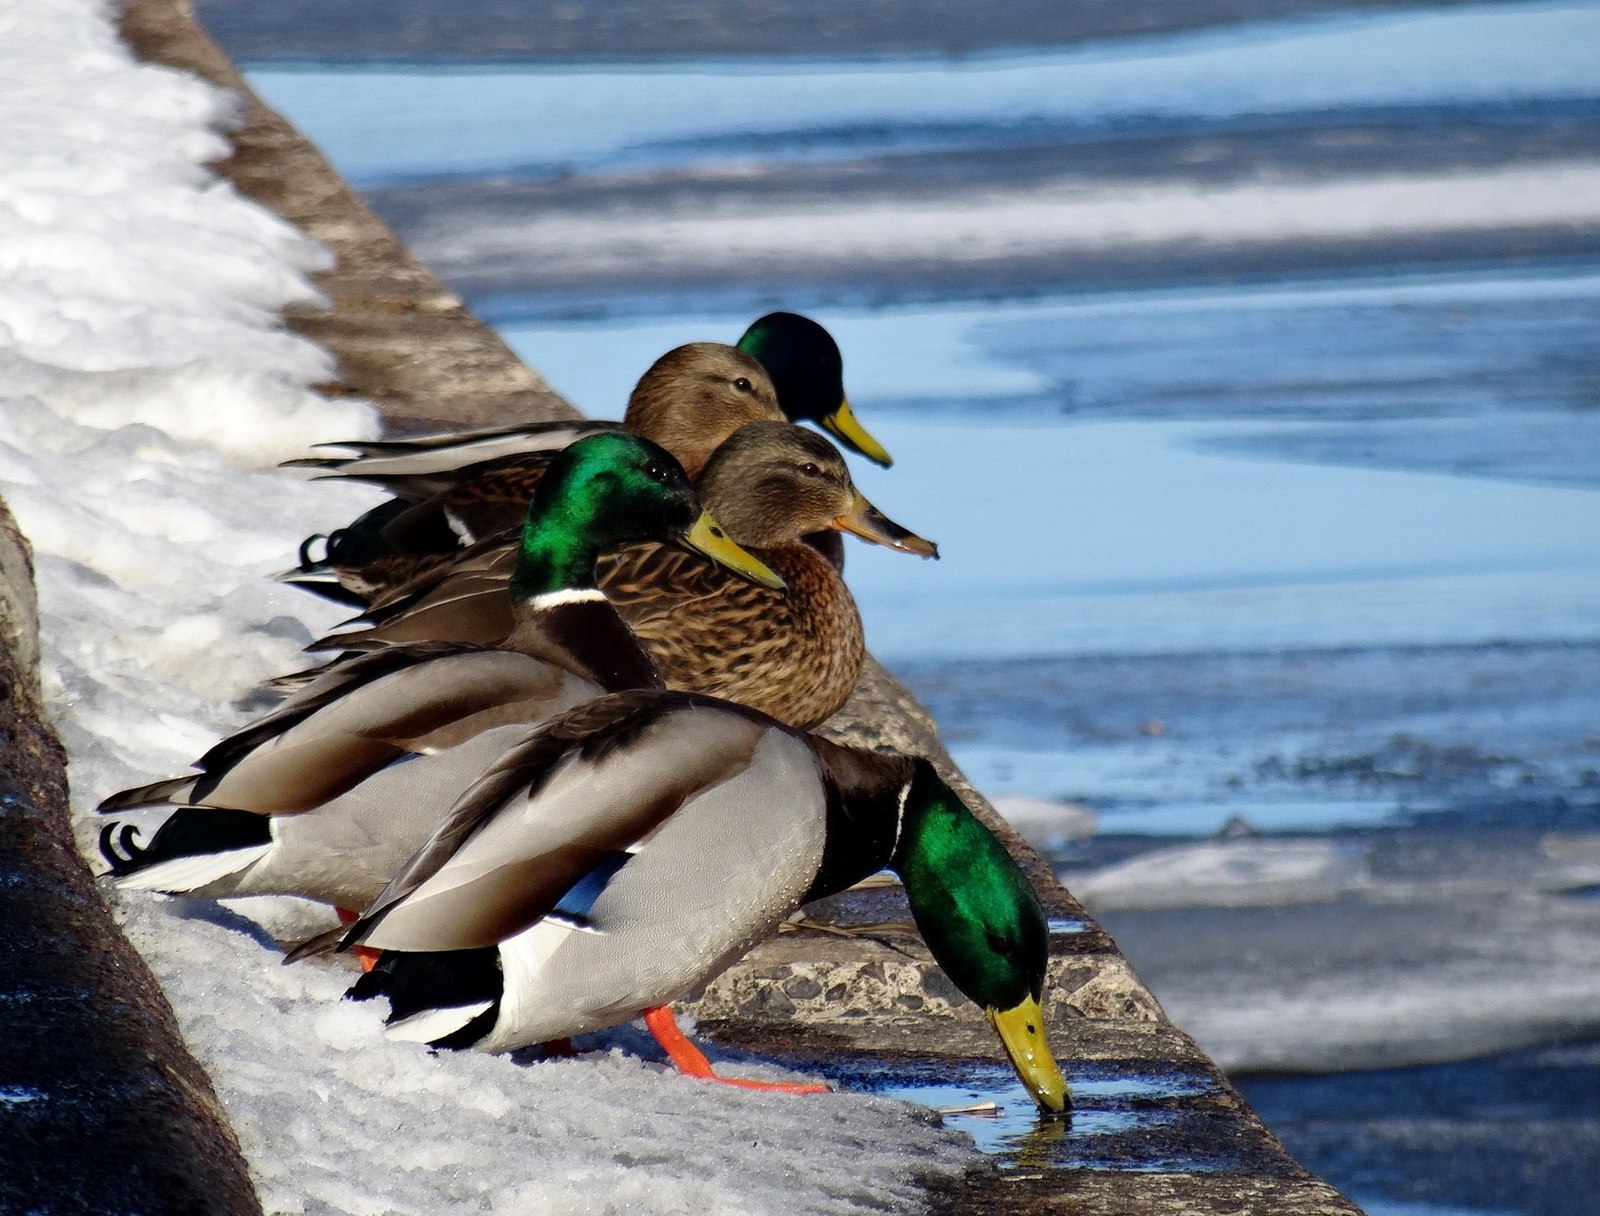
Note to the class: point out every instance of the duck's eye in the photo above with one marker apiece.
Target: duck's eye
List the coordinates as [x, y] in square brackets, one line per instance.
[810, 470]
[656, 470]
[743, 385]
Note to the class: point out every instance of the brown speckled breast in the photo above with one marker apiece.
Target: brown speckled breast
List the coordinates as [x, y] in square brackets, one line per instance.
[794, 655]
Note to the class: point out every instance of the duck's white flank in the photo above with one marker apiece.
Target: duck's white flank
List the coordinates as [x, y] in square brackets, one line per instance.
[192, 873]
[432, 1024]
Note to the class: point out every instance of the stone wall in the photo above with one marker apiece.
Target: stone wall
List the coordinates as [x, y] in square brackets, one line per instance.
[102, 1108]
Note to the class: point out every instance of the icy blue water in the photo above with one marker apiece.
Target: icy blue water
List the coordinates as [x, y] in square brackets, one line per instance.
[549, 118]
[1119, 1120]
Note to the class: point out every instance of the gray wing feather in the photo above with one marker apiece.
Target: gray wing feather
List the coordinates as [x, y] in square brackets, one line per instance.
[571, 794]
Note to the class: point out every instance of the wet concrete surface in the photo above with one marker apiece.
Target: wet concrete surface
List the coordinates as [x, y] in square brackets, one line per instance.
[1161, 1129]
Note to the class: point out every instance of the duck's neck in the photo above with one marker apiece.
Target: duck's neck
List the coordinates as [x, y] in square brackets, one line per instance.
[559, 613]
[966, 892]
[866, 796]
[555, 557]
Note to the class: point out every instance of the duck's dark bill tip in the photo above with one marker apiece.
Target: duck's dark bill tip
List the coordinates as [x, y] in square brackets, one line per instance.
[866, 521]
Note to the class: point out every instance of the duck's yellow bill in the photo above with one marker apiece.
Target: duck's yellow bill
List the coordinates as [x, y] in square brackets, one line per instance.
[1021, 1030]
[843, 425]
[866, 521]
[707, 537]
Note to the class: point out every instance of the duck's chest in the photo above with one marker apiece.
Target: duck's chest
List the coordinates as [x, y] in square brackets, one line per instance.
[794, 654]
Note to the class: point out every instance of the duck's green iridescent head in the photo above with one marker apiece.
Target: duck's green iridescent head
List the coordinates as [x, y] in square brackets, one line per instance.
[614, 489]
[808, 371]
[983, 923]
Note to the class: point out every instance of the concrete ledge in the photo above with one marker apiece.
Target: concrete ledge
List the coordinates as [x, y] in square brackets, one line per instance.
[102, 1108]
[407, 343]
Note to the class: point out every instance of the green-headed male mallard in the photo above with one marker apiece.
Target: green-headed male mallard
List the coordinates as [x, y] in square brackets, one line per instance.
[794, 655]
[808, 371]
[327, 795]
[680, 403]
[627, 852]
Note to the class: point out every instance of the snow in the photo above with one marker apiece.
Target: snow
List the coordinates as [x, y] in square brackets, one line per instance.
[335, 1118]
[147, 390]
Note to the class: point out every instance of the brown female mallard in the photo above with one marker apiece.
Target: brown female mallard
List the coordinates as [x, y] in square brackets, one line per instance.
[793, 654]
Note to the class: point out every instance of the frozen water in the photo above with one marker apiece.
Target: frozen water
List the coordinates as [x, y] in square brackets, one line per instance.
[1228, 874]
[386, 123]
[147, 390]
[773, 240]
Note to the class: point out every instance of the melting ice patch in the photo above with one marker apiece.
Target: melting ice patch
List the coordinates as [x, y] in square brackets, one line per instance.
[146, 390]
[1045, 824]
[1229, 874]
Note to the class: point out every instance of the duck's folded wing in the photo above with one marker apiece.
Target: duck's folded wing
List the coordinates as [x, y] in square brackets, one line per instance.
[154, 794]
[324, 686]
[467, 601]
[576, 792]
[426, 465]
[300, 761]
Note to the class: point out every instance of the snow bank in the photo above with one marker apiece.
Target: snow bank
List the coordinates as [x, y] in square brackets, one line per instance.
[146, 391]
[334, 1118]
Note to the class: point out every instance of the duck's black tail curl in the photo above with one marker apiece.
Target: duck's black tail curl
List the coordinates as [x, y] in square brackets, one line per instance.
[119, 845]
[309, 564]
[188, 832]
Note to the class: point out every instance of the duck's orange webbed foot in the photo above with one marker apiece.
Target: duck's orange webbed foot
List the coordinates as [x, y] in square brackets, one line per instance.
[365, 955]
[691, 1061]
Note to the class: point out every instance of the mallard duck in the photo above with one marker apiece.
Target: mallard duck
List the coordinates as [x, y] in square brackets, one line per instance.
[622, 855]
[456, 488]
[328, 794]
[794, 655]
[689, 401]
[808, 371]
